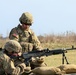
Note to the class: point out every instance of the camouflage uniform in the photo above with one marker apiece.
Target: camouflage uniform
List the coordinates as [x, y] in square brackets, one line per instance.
[7, 64]
[26, 38]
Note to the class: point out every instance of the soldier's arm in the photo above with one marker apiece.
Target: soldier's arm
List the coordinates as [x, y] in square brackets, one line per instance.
[11, 69]
[13, 35]
[36, 42]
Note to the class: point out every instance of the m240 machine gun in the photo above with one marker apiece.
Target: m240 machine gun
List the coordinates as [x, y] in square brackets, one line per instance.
[46, 52]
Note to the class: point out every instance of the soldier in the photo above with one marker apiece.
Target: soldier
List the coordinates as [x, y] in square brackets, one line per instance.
[24, 35]
[8, 66]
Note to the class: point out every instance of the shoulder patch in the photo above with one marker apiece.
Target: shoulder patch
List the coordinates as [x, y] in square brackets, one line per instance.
[15, 35]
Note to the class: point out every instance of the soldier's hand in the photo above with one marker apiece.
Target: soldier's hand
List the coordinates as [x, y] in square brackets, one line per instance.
[22, 66]
[28, 69]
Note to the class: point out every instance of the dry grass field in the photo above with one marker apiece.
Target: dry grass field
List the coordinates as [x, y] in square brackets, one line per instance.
[60, 41]
[56, 60]
[54, 42]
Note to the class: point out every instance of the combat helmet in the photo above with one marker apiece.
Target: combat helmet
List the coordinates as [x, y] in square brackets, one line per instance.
[12, 46]
[26, 18]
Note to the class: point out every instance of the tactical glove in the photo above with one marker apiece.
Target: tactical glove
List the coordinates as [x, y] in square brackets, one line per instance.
[22, 67]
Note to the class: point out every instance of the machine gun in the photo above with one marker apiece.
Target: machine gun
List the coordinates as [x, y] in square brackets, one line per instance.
[46, 52]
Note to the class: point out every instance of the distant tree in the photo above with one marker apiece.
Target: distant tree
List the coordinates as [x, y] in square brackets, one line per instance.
[1, 36]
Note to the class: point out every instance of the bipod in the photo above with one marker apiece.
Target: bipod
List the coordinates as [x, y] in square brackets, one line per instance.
[64, 58]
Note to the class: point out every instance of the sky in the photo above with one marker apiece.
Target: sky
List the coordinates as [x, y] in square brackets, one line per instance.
[50, 16]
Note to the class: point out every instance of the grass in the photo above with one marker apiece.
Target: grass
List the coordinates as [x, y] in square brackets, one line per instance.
[56, 60]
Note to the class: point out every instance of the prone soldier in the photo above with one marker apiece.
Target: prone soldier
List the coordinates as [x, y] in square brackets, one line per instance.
[8, 65]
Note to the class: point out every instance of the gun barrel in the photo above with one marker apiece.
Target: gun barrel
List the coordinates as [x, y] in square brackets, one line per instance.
[45, 52]
[58, 51]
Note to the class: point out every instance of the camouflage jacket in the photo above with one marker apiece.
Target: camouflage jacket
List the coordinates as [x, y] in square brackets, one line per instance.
[7, 66]
[27, 39]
